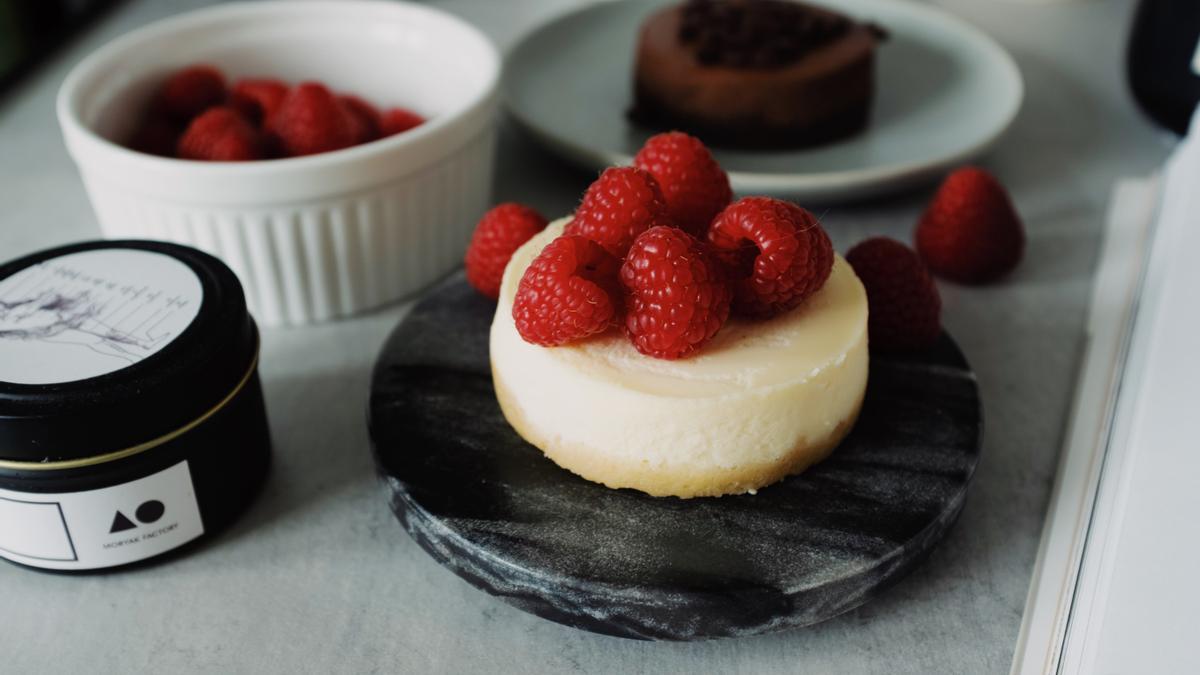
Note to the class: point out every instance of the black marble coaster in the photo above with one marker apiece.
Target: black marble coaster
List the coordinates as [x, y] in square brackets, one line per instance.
[499, 514]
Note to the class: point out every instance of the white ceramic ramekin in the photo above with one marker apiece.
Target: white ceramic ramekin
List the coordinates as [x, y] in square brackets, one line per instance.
[312, 238]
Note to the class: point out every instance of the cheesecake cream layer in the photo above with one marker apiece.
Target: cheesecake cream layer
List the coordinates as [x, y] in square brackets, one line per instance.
[762, 400]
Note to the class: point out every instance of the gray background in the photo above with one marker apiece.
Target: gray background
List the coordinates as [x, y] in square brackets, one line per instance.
[319, 577]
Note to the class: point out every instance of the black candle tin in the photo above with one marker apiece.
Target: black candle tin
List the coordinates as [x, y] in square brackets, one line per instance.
[132, 419]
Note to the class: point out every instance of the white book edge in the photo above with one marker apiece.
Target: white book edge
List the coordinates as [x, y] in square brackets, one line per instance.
[1115, 293]
[1134, 607]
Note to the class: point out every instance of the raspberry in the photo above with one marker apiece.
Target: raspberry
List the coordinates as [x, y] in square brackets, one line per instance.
[621, 204]
[258, 99]
[311, 120]
[569, 291]
[399, 120]
[970, 231]
[776, 253]
[676, 294]
[501, 232]
[367, 119]
[903, 301]
[190, 92]
[695, 187]
[220, 134]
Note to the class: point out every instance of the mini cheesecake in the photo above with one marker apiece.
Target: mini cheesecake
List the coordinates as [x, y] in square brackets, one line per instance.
[755, 73]
[761, 401]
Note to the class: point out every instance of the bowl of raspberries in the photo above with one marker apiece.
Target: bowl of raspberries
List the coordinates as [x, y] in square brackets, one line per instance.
[335, 154]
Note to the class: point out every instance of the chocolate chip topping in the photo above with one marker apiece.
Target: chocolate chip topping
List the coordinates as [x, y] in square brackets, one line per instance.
[756, 33]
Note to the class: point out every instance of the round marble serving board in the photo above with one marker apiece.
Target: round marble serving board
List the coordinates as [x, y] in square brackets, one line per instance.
[494, 510]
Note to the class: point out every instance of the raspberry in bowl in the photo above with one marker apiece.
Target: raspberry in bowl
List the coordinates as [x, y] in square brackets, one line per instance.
[312, 237]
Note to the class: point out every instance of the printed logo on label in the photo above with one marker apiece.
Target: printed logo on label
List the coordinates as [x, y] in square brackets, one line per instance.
[101, 528]
[148, 513]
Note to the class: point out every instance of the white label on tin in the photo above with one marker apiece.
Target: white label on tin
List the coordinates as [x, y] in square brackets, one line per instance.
[101, 528]
[87, 314]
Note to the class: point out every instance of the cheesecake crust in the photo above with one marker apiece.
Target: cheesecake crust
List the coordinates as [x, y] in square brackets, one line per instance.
[599, 467]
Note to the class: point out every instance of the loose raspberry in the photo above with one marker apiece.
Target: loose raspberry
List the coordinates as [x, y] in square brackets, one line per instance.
[258, 98]
[903, 301]
[501, 232]
[570, 291]
[695, 187]
[621, 204]
[970, 232]
[676, 295]
[776, 253]
[156, 135]
[399, 120]
[190, 92]
[367, 119]
[220, 134]
[311, 120]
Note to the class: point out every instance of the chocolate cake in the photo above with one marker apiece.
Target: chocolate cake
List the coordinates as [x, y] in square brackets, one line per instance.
[755, 73]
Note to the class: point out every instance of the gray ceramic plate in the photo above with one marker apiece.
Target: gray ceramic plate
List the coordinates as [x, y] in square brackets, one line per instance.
[945, 94]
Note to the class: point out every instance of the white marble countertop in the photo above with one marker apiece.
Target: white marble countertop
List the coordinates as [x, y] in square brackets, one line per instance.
[319, 577]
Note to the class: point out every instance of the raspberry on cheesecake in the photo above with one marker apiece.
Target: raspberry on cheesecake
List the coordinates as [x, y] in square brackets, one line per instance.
[741, 353]
[758, 400]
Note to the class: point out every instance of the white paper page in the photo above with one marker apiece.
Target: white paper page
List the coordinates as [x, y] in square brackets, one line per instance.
[1138, 591]
[1114, 588]
[1109, 330]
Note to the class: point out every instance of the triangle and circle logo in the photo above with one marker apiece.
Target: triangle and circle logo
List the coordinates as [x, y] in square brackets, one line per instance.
[147, 512]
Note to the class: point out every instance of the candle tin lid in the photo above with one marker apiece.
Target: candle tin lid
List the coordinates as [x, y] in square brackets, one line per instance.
[108, 346]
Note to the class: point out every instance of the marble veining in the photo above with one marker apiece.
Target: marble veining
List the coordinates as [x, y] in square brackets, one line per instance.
[499, 514]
